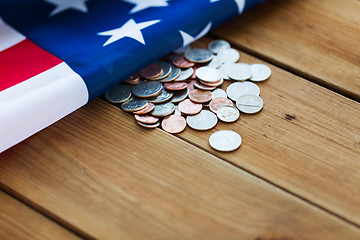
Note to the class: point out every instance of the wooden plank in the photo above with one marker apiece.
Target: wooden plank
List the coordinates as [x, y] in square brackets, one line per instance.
[306, 139]
[316, 39]
[18, 221]
[101, 174]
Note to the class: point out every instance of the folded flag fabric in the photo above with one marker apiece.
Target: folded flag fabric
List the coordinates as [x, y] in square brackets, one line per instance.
[56, 55]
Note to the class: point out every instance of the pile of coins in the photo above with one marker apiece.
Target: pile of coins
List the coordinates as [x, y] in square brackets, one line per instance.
[187, 83]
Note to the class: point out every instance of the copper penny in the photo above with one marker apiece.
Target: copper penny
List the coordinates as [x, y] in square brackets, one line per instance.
[133, 79]
[181, 62]
[189, 108]
[201, 86]
[145, 110]
[216, 103]
[195, 67]
[213, 84]
[190, 84]
[200, 96]
[173, 124]
[147, 119]
[152, 71]
[173, 86]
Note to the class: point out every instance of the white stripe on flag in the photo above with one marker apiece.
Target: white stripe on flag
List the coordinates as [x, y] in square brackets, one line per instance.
[36, 103]
[8, 36]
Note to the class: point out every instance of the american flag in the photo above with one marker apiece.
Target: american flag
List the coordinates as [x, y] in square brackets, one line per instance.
[56, 55]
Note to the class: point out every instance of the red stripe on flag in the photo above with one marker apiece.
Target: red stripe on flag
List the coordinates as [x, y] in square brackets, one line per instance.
[23, 61]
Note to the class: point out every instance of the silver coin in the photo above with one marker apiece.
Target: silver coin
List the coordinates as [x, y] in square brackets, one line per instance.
[134, 104]
[208, 74]
[177, 111]
[198, 55]
[224, 69]
[261, 72]
[225, 140]
[166, 70]
[217, 45]
[163, 110]
[163, 97]
[237, 89]
[147, 89]
[228, 55]
[215, 62]
[185, 74]
[155, 125]
[180, 95]
[182, 49]
[118, 94]
[218, 92]
[204, 120]
[249, 103]
[174, 74]
[228, 113]
[240, 72]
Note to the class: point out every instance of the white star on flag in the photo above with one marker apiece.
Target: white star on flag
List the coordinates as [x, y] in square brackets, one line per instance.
[130, 29]
[62, 5]
[187, 39]
[240, 4]
[143, 4]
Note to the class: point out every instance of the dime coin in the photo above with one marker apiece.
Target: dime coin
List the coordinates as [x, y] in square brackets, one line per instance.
[147, 89]
[163, 110]
[213, 84]
[261, 72]
[200, 96]
[181, 62]
[249, 103]
[189, 108]
[224, 69]
[173, 124]
[215, 62]
[118, 94]
[163, 97]
[152, 71]
[185, 74]
[225, 140]
[228, 113]
[166, 67]
[145, 110]
[133, 79]
[237, 89]
[147, 119]
[198, 55]
[218, 92]
[201, 86]
[182, 49]
[180, 95]
[228, 55]
[240, 71]
[216, 103]
[155, 125]
[217, 45]
[174, 86]
[208, 74]
[134, 105]
[174, 74]
[205, 120]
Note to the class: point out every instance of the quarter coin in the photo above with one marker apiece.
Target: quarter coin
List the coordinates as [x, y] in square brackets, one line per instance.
[174, 86]
[184, 74]
[145, 110]
[180, 95]
[261, 72]
[208, 74]
[205, 120]
[200, 96]
[218, 92]
[152, 71]
[166, 67]
[225, 140]
[147, 89]
[163, 110]
[249, 103]
[134, 105]
[155, 125]
[181, 62]
[237, 89]
[228, 55]
[240, 72]
[215, 62]
[217, 45]
[147, 119]
[173, 124]
[224, 69]
[118, 94]
[163, 97]
[189, 108]
[198, 55]
[216, 103]
[228, 113]
[174, 74]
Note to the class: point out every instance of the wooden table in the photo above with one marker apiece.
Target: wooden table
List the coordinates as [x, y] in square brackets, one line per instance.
[97, 174]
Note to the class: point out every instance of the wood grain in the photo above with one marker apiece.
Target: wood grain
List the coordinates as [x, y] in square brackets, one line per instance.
[316, 39]
[101, 174]
[18, 221]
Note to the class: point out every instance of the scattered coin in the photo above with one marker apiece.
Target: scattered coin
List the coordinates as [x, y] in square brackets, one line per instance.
[190, 85]
[217, 45]
[195, 67]
[133, 79]
[166, 67]
[208, 74]
[147, 89]
[218, 92]
[189, 108]
[145, 110]
[224, 69]
[134, 105]
[147, 119]
[184, 74]
[181, 62]
[205, 120]
[155, 125]
[200, 96]
[118, 94]
[198, 55]
[201, 86]
[249, 103]
[174, 86]
[177, 112]
[228, 113]
[174, 74]
[216, 103]
[163, 97]
[163, 110]
[240, 72]
[225, 140]
[213, 84]
[173, 124]
[261, 72]
[152, 71]
[180, 95]
[228, 55]
[237, 89]
[215, 62]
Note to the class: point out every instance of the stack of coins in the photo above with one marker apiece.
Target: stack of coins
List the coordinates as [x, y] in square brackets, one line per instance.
[188, 84]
